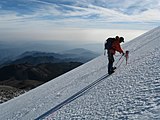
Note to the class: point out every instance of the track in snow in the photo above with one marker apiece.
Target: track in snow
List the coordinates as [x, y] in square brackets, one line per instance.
[73, 97]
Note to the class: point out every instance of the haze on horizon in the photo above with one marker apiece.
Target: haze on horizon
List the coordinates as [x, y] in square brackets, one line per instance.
[87, 21]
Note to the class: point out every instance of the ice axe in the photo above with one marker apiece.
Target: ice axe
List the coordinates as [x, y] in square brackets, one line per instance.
[127, 56]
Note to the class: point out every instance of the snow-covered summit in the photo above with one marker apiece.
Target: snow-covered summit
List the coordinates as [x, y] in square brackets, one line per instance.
[132, 92]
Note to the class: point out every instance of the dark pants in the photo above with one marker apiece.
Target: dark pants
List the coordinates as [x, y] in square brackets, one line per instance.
[111, 61]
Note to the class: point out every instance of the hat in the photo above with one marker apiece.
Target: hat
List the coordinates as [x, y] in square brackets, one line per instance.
[121, 39]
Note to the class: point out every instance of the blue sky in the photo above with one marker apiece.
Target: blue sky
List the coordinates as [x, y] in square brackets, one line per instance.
[83, 20]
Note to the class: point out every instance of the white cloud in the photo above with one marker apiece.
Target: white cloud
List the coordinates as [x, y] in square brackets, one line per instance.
[78, 21]
[103, 14]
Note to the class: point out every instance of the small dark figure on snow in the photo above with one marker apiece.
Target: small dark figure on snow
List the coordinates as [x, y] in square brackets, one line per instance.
[112, 45]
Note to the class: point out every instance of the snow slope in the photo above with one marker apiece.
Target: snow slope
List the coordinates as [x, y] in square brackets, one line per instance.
[132, 92]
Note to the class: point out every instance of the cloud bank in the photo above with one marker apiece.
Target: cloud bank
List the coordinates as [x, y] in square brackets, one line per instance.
[54, 17]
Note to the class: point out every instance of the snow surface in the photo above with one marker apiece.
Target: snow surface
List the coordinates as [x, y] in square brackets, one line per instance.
[132, 92]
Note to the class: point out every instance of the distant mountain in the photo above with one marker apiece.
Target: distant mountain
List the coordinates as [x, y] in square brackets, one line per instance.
[34, 60]
[9, 50]
[39, 54]
[37, 57]
[80, 52]
[26, 76]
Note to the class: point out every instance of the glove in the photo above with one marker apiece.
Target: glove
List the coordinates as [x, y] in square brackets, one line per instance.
[123, 54]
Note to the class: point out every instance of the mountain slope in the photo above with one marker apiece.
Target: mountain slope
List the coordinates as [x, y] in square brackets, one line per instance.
[130, 93]
[133, 92]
